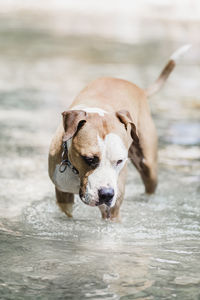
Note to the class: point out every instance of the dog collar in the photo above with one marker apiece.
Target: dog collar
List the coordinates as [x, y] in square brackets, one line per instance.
[65, 161]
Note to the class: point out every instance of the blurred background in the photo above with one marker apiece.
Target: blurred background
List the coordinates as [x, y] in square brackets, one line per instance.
[49, 50]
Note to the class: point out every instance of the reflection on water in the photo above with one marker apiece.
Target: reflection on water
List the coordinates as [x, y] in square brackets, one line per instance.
[154, 253]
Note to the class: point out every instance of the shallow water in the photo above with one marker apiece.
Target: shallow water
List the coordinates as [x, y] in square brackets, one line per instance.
[155, 252]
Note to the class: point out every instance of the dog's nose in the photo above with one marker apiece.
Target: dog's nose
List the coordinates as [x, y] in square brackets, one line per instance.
[105, 195]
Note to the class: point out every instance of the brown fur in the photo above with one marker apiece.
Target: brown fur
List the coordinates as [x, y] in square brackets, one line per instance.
[161, 79]
[128, 116]
[112, 95]
[65, 201]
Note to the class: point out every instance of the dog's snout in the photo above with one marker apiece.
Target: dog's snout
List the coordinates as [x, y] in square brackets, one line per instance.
[106, 195]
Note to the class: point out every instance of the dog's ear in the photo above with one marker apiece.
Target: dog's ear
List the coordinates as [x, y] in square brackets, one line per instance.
[125, 118]
[73, 120]
[135, 150]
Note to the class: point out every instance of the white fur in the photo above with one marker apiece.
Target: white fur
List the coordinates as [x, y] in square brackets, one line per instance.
[67, 181]
[180, 52]
[93, 110]
[106, 175]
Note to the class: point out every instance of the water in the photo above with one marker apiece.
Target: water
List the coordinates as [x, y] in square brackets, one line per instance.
[155, 252]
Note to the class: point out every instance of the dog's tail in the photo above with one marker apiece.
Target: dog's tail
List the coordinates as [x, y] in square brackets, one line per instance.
[166, 71]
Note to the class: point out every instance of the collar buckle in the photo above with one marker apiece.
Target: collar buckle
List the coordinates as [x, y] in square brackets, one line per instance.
[65, 161]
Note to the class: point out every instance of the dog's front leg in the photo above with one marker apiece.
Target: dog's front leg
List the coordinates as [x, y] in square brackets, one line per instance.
[65, 202]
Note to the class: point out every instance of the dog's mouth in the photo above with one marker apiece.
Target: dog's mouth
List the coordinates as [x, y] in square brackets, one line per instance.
[87, 202]
[100, 202]
[85, 199]
[95, 203]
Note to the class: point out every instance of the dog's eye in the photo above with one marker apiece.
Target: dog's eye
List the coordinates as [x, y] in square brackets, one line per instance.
[119, 162]
[91, 161]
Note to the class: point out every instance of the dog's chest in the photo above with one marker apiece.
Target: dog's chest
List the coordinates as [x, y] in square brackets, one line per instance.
[67, 181]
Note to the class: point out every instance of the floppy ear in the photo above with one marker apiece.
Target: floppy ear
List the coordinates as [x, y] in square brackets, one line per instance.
[73, 120]
[135, 150]
[125, 118]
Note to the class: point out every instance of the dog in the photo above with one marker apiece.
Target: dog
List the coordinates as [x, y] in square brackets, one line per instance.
[107, 123]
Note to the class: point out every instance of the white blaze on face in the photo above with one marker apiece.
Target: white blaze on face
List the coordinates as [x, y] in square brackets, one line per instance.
[112, 151]
[92, 110]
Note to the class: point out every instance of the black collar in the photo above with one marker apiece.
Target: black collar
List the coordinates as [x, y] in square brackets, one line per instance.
[65, 161]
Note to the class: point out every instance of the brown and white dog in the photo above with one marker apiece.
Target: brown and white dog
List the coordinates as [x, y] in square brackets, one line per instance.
[108, 122]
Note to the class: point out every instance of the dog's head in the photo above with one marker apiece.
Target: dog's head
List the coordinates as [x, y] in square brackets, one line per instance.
[98, 148]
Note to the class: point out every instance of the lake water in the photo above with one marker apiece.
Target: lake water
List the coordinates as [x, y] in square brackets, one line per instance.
[155, 252]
